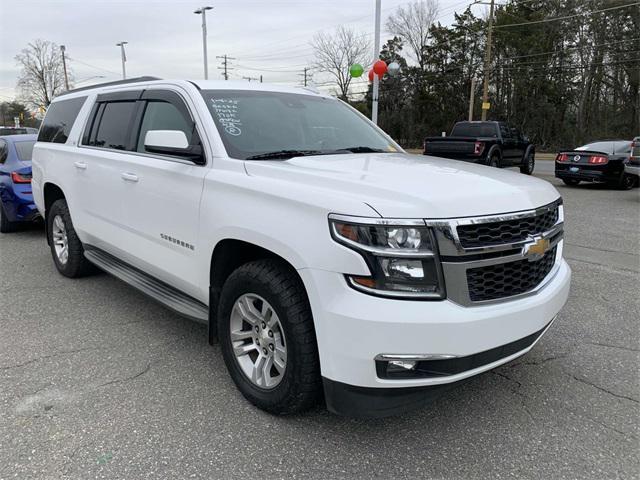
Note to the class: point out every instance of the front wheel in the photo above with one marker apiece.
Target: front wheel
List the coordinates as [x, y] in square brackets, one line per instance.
[268, 339]
[528, 164]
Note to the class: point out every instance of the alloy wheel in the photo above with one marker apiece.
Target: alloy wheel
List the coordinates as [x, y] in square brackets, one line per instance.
[60, 239]
[258, 341]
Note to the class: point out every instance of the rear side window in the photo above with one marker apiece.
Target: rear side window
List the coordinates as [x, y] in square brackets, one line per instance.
[3, 151]
[113, 127]
[25, 150]
[59, 119]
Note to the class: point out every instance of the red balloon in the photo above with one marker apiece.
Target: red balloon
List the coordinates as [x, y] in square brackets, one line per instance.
[371, 75]
[380, 68]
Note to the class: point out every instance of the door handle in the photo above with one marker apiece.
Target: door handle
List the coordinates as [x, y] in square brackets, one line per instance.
[80, 165]
[129, 177]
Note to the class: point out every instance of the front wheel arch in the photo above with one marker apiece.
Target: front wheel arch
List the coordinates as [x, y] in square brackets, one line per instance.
[228, 255]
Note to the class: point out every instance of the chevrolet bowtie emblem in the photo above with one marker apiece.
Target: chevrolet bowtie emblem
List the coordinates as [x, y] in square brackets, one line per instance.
[536, 248]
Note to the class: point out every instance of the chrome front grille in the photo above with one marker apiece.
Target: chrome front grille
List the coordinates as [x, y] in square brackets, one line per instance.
[506, 231]
[508, 279]
[499, 257]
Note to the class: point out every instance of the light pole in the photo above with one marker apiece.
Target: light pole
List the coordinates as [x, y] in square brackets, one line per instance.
[376, 54]
[64, 66]
[487, 61]
[124, 58]
[203, 11]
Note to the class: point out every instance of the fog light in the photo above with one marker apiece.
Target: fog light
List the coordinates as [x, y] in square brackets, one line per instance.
[396, 366]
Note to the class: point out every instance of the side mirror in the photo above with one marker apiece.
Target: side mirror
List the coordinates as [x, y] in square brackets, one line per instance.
[173, 142]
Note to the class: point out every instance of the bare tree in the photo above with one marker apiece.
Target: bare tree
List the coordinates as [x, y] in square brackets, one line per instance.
[42, 74]
[412, 23]
[336, 52]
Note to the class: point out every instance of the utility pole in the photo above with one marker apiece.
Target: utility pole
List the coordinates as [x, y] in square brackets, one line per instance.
[64, 67]
[123, 55]
[472, 97]
[250, 78]
[487, 61]
[376, 55]
[305, 76]
[203, 11]
[225, 65]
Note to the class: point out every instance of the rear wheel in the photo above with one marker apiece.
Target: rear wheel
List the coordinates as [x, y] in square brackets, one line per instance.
[571, 182]
[626, 182]
[494, 161]
[5, 225]
[66, 247]
[528, 164]
[268, 339]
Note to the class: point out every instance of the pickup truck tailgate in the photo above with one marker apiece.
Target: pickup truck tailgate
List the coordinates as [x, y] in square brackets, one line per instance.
[459, 146]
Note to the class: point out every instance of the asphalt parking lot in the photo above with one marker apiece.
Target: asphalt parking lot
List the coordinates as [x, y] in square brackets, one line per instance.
[97, 381]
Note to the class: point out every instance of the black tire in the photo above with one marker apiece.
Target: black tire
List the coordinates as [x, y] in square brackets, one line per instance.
[528, 164]
[76, 265]
[627, 182]
[494, 161]
[572, 182]
[5, 225]
[276, 282]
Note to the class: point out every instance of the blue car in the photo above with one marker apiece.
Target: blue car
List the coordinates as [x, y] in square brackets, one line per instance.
[16, 199]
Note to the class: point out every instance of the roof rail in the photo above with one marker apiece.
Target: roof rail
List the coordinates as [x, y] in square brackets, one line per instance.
[109, 84]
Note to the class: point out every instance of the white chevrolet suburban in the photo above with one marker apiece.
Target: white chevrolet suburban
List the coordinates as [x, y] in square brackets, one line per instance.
[324, 259]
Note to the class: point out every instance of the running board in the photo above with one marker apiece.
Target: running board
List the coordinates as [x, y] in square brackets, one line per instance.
[167, 295]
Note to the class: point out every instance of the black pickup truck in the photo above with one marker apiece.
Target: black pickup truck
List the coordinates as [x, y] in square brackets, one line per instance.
[489, 143]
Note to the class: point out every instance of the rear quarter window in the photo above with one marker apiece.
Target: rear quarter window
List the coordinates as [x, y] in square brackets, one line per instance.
[59, 119]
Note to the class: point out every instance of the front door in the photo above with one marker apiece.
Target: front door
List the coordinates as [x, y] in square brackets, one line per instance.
[162, 197]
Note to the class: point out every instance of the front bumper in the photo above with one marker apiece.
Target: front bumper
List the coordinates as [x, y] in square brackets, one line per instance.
[352, 328]
[632, 169]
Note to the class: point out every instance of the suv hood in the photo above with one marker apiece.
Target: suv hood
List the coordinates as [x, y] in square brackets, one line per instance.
[399, 185]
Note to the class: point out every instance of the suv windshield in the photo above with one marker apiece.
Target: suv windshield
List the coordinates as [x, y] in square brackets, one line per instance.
[272, 125]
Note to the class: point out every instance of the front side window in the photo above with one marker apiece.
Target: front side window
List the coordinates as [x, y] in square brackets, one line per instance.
[162, 116]
[263, 125]
[114, 127]
[59, 119]
[25, 150]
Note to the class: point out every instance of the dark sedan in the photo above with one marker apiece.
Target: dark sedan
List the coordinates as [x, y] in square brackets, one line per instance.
[602, 162]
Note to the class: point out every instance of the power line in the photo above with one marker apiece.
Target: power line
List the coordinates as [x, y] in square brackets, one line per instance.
[225, 65]
[577, 47]
[566, 17]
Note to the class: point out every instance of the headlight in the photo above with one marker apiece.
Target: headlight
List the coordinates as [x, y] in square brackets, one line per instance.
[402, 256]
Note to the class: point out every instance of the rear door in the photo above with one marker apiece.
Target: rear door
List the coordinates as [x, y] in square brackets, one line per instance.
[103, 156]
[161, 195]
[509, 145]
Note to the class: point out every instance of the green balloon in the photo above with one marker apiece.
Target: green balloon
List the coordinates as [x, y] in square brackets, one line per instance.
[356, 70]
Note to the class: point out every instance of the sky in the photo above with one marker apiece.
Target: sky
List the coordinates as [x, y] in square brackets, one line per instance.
[269, 37]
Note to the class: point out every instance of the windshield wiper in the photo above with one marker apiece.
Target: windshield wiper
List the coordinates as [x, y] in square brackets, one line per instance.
[362, 150]
[284, 154]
